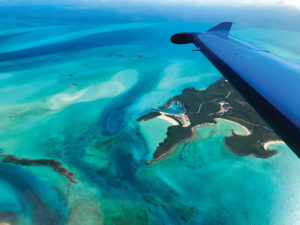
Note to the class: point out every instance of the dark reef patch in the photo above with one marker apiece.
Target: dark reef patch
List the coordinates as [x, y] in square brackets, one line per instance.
[54, 164]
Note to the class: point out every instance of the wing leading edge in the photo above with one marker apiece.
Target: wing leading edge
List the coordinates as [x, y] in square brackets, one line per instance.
[268, 82]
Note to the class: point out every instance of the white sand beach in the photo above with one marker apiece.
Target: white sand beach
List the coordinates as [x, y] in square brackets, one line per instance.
[245, 128]
[169, 119]
[266, 144]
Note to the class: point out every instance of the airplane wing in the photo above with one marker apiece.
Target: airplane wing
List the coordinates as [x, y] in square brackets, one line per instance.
[271, 84]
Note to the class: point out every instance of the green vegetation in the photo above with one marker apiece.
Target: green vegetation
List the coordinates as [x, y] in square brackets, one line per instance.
[148, 116]
[219, 100]
[175, 134]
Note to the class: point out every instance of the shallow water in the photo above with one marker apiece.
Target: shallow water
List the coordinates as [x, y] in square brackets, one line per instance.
[175, 108]
[73, 93]
[154, 131]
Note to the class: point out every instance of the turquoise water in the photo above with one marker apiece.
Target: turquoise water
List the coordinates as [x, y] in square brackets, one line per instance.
[175, 108]
[154, 132]
[72, 85]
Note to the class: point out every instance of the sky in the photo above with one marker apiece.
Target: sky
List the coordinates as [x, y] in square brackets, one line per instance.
[292, 3]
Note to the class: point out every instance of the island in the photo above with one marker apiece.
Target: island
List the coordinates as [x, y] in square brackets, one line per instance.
[205, 107]
[54, 164]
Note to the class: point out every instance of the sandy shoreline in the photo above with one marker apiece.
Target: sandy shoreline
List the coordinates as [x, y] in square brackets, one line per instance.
[183, 119]
[203, 125]
[169, 119]
[245, 128]
[176, 119]
[170, 152]
[165, 116]
[266, 144]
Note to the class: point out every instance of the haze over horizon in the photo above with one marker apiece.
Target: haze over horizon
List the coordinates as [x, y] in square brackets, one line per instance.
[281, 3]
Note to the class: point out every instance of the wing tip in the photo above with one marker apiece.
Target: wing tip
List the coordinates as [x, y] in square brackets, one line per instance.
[181, 38]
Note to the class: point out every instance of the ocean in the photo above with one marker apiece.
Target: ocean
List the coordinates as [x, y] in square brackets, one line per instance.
[73, 81]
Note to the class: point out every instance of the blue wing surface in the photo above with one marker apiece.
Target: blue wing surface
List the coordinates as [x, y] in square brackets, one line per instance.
[271, 84]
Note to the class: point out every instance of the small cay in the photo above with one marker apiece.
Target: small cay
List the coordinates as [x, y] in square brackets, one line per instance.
[219, 101]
